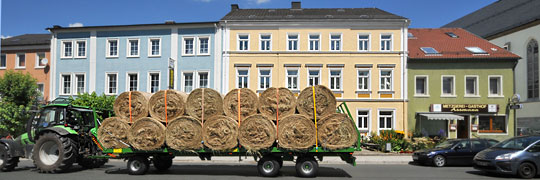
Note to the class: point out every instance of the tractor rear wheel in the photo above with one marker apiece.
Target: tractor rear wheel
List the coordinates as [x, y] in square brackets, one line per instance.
[7, 163]
[54, 153]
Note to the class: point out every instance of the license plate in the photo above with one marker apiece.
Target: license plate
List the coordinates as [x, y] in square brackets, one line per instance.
[482, 163]
[415, 157]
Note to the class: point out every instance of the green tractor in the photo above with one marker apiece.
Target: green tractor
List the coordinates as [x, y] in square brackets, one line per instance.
[58, 135]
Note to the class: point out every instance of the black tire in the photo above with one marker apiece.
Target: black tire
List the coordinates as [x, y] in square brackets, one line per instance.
[439, 161]
[7, 163]
[138, 165]
[526, 170]
[162, 163]
[268, 166]
[54, 153]
[307, 167]
[280, 161]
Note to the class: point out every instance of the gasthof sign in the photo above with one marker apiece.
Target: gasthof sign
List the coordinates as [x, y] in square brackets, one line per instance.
[464, 108]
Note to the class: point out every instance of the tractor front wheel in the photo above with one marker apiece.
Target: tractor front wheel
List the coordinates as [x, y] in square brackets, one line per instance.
[54, 153]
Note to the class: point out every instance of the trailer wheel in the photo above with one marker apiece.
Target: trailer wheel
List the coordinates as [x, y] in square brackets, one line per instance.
[7, 163]
[306, 167]
[54, 153]
[268, 166]
[162, 163]
[138, 165]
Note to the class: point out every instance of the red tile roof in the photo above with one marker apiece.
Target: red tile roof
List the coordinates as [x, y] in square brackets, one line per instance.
[453, 48]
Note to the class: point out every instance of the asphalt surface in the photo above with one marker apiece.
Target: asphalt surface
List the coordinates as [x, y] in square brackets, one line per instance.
[116, 169]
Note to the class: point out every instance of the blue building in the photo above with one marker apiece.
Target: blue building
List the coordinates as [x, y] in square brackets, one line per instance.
[114, 59]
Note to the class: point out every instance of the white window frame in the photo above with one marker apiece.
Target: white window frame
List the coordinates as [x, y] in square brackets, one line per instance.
[107, 83]
[340, 78]
[269, 41]
[150, 47]
[198, 82]
[368, 79]
[368, 119]
[17, 61]
[297, 76]
[426, 86]
[5, 59]
[238, 41]
[477, 85]
[108, 50]
[149, 80]
[391, 79]
[501, 86]
[297, 41]
[128, 80]
[319, 76]
[198, 49]
[194, 83]
[62, 84]
[76, 51]
[391, 41]
[195, 49]
[453, 86]
[340, 41]
[37, 66]
[379, 121]
[128, 47]
[368, 41]
[238, 77]
[259, 78]
[75, 83]
[63, 49]
[309, 41]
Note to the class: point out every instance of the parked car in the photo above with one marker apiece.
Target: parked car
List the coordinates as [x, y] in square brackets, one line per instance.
[453, 151]
[518, 156]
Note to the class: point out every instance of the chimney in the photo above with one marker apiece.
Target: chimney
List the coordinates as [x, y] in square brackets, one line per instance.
[234, 7]
[296, 5]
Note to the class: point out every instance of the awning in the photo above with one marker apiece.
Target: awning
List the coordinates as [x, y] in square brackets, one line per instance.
[439, 116]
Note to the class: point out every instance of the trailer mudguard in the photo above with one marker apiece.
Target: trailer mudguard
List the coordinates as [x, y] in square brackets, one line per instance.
[14, 147]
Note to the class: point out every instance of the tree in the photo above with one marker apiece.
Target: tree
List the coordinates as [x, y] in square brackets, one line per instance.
[18, 92]
[100, 103]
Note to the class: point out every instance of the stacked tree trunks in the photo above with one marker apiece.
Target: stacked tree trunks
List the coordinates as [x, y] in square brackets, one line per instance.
[206, 119]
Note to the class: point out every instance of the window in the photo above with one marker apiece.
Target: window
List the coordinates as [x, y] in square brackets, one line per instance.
[3, 61]
[81, 49]
[429, 50]
[476, 50]
[39, 60]
[203, 79]
[363, 42]
[421, 86]
[67, 48]
[314, 76]
[188, 82]
[265, 76]
[111, 85]
[335, 42]
[189, 45]
[292, 42]
[448, 86]
[363, 79]
[112, 48]
[451, 34]
[243, 42]
[41, 89]
[266, 42]
[385, 120]
[242, 78]
[66, 84]
[21, 61]
[495, 86]
[386, 80]
[534, 148]
[532, 70]
[204, 45]
[471, 85]
[478, 145]
[154, 82]
[335, 79]
[386, 42]
[292, 79]
[492, 124]
[363, 119]
[155, 47]
[133, 49]
[314, 40]
[79, 83]
[133, 81]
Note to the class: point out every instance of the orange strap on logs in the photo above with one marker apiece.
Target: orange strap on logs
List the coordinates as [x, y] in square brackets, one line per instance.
[202, 108]
[130, 119]
[277, 111]
[315, 116]
[238, 107]
[166, 116]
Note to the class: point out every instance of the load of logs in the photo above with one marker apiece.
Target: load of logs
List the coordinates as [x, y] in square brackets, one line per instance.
[205, 118]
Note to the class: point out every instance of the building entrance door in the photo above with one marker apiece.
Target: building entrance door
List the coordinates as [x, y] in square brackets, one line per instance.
[463, 128]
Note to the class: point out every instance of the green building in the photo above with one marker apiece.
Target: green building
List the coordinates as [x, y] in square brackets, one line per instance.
[459, 85]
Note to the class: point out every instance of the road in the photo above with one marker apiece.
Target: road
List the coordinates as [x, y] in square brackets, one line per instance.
[116, 169]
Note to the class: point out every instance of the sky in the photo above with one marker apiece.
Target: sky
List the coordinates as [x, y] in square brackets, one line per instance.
[33, 16]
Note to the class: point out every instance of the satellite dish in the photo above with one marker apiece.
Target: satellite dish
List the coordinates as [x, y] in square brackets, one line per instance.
[44, 61]
[515, 98]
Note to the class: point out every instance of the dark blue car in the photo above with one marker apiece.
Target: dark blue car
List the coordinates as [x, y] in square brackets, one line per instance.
[453, 151]
[517, 156]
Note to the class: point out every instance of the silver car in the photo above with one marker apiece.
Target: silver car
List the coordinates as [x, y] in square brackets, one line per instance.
[518, 156]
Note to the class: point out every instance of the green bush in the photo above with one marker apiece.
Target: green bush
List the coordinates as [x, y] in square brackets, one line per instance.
[399, 143]
[92, 100]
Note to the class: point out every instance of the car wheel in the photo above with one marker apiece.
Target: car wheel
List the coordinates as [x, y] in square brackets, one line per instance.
[526, 170]
[439, 161]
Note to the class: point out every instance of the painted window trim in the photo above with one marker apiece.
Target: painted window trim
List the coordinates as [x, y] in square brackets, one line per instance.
[198, 47]
[494, 133]
[150, 39]
[238, 76]
[340, 79]
[76, 51]
[501, 86]
[319, 76]
[238, 41]
[37, 66]
[149, 79]
[195, 45]
[63, 49]
[108, 48]
[17, 61]
[259, 77]
[453, 95]
[340, 42]
[379, 117]
[128, 48]
[128, 80]
[477, 84]
[368, 79]
[391, 41]
[5, 58]
[261, 40]
[391, 78]
[368, 119]
[183, 80]
[76, 84]
[106, 92]
[426, 85]
[368, 42]
[297, 41]
[297, 77]
[309, 41]
[61, 92]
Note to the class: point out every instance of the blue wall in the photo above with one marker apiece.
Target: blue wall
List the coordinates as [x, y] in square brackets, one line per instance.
[196, 63]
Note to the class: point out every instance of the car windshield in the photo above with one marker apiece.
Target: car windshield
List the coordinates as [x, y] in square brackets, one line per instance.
[517, 143]
[446, 144]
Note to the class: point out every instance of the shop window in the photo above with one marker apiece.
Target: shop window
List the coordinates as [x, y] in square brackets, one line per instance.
[492, 124]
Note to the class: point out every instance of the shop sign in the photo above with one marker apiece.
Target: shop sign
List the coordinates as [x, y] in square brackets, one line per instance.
[465, 108]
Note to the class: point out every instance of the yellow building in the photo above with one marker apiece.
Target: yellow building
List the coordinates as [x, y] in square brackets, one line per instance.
[359, 53]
